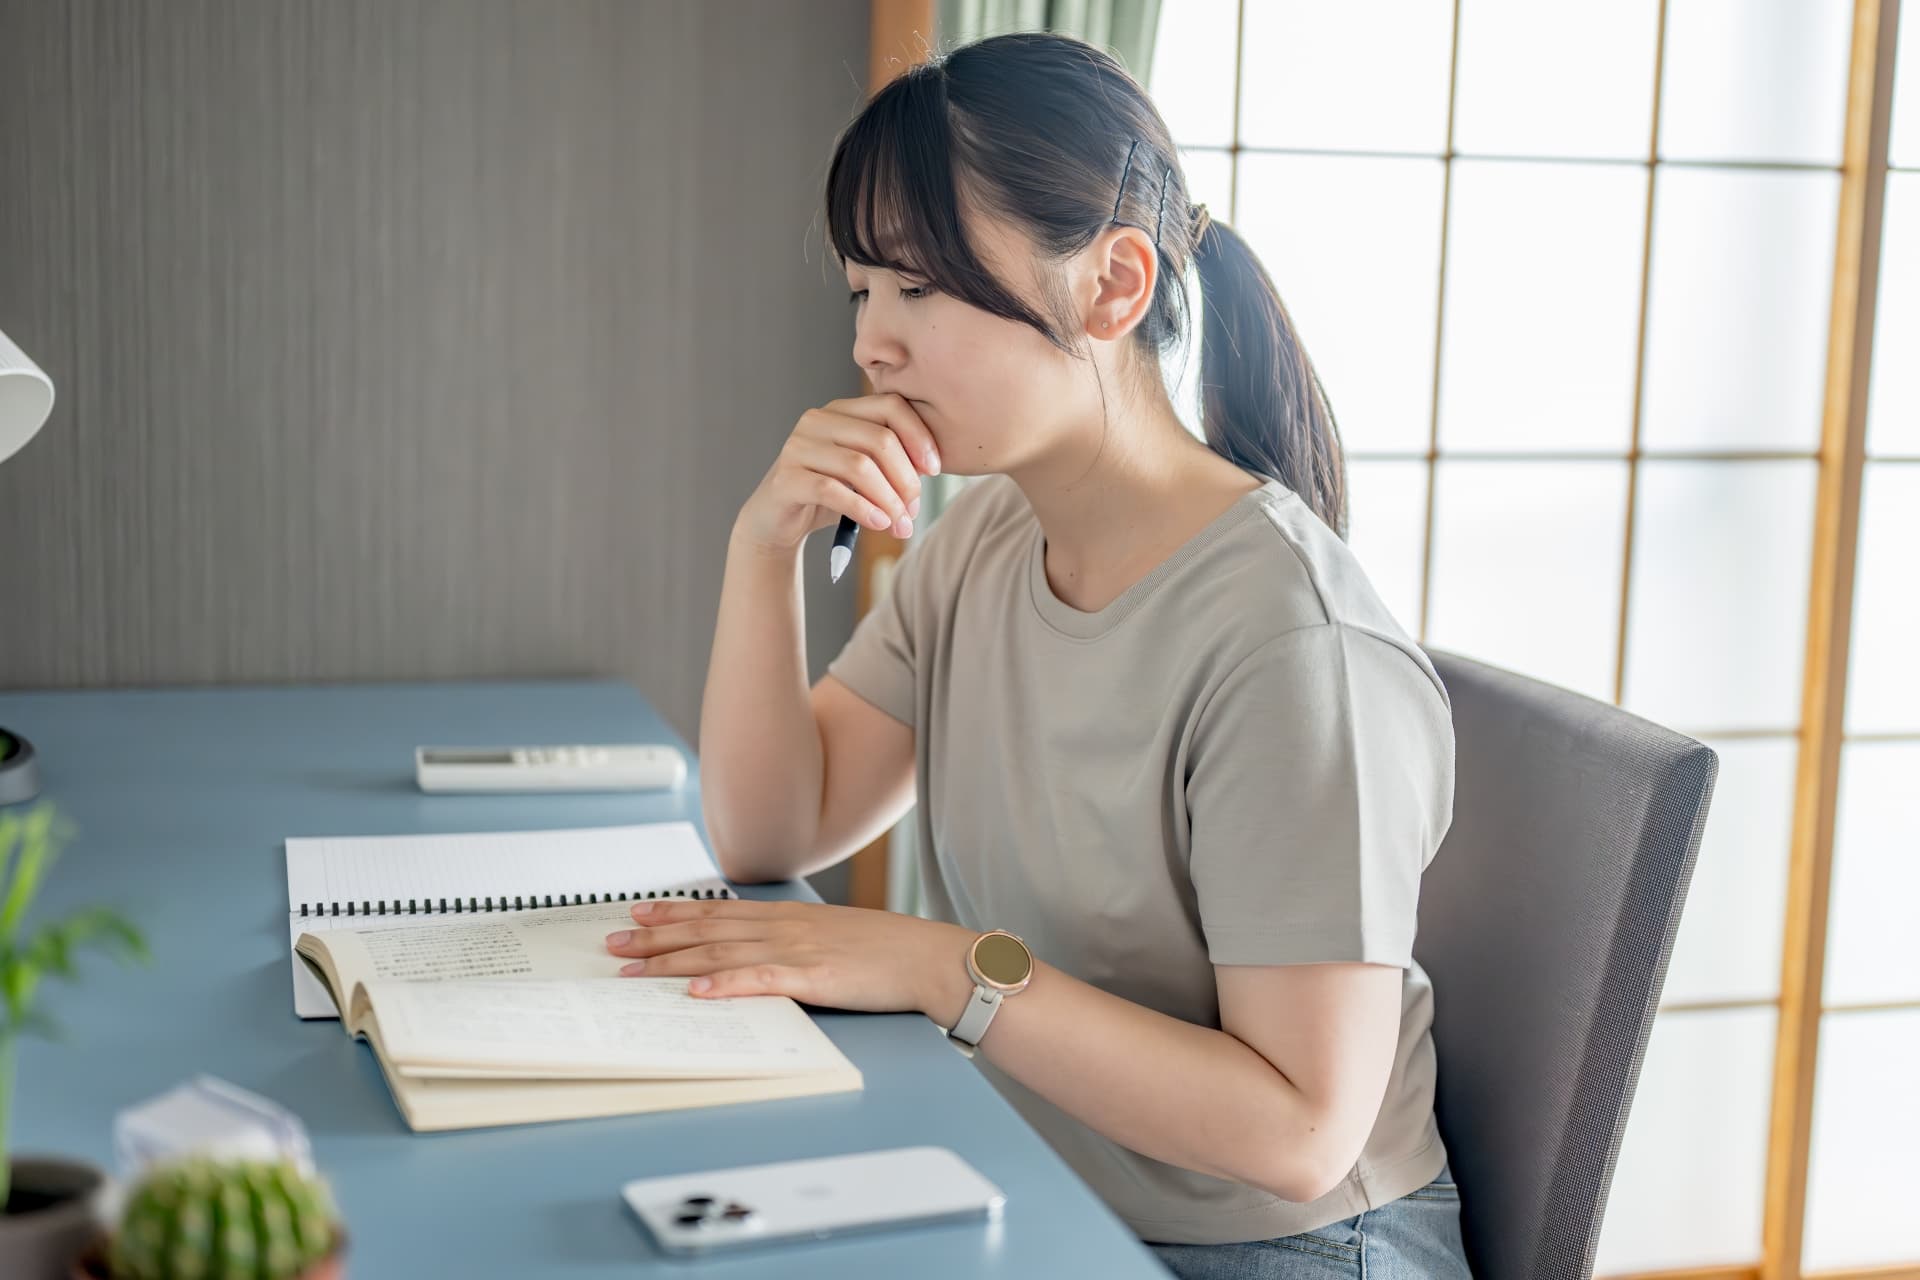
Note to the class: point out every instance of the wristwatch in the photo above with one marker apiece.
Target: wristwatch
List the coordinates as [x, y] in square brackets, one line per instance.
[1000, 966]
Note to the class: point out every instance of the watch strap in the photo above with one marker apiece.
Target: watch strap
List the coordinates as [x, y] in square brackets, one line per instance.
[979, 1013]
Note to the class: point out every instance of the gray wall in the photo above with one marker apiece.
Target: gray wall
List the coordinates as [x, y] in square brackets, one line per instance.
[408, 339]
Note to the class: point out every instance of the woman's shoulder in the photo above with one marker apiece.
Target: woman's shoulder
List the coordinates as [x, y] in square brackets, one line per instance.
[1288, 573]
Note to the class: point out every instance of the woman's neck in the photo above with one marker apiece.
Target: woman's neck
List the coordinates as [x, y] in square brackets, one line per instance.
[1109, 519]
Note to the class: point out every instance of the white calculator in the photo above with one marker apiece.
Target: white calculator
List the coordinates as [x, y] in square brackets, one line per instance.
[606, 767]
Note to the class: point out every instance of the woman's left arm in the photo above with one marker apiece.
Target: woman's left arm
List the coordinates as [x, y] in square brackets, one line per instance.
[1282, 1098]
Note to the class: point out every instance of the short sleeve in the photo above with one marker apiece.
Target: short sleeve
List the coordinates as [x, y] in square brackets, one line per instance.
[1319, 786]
[879, 660]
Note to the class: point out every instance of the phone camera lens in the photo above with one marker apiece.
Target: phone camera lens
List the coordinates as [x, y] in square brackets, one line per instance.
[691, 1220]
[697, 1202]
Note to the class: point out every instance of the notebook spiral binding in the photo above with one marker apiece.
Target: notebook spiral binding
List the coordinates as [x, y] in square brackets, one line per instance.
[482, 905]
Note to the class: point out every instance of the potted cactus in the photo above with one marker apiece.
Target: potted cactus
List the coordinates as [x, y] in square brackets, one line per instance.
[48, 1204]
[201, 1218]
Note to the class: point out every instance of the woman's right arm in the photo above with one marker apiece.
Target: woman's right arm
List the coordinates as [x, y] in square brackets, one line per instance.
[792, 779]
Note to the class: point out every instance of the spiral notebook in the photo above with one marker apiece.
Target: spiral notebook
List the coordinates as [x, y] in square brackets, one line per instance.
[360, 882]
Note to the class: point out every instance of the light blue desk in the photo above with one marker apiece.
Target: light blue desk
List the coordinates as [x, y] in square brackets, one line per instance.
[182, 798]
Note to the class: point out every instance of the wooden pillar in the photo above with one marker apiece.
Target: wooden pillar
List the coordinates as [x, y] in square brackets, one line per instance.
[1836, 535]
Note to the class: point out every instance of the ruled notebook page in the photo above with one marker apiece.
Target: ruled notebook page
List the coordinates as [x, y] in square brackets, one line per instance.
[411, 875]
[372, 872]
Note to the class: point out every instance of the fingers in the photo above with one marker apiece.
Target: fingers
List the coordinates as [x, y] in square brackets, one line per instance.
[898, 413]
[654, 911]
[697, 960]
[838, 496]
[894, 415]
[659, 939]
[761, 966]
[887, 451]
[670, 923]
[868, 454]
[860, 458]
[801, 982]
[861, 472]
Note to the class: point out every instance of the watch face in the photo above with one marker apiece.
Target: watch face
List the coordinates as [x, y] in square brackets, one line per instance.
[1002, 960]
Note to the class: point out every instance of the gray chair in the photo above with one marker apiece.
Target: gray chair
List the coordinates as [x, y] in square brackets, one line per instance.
[1546, 923]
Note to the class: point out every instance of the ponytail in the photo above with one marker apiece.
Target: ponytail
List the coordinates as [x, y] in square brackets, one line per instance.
[1262, 405]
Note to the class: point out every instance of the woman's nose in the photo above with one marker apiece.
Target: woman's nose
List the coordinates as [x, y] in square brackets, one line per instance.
[875, 350]
[877, 370]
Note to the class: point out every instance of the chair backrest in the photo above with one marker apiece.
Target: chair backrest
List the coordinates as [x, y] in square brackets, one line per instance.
[1546, 922]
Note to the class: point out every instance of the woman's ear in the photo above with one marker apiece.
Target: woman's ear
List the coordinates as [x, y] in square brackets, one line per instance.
[1122, 269]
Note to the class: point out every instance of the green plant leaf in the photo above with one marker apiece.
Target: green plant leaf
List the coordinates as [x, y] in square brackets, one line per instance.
[35, 1022]
[29, 845]
[9, 837]
[39, 839]
[99, 927]
[51, 950]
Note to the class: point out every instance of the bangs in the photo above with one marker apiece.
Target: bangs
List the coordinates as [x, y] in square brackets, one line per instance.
[890, 196]
[892, 202]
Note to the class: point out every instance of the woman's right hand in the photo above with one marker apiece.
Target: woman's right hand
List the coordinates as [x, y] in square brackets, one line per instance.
[861, 457]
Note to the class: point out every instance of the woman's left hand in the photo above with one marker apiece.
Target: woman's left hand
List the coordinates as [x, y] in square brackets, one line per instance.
[837, 957]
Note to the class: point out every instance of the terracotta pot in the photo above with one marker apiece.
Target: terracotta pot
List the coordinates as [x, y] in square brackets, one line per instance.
[92, 1264]
[54, 1210]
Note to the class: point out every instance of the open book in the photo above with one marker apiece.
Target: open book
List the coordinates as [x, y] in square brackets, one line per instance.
[357, 882]
[523, 1017]
[518, 1014]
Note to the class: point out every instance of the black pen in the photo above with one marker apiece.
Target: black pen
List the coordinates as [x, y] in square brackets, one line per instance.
[842, 554]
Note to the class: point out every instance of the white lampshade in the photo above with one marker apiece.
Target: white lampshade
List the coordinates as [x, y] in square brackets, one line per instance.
[26, 398]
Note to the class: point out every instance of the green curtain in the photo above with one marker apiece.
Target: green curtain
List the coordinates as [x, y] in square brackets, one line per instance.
[1125, 28]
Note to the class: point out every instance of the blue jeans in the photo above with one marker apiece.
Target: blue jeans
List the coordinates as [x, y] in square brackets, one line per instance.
[1416, 1237]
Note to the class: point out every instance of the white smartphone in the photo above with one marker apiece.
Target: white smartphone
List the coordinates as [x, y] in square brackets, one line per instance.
[694, 1213]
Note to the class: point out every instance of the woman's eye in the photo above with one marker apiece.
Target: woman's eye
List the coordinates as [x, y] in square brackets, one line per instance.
[919, 291]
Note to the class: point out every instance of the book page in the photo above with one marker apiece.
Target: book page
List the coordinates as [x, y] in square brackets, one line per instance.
[310, 996]
[553, 942]
[640, 1027]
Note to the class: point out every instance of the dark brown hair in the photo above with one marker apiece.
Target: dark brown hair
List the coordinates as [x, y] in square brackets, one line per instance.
[1037, 128]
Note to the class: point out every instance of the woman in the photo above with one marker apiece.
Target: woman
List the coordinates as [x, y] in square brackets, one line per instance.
[1157, 722]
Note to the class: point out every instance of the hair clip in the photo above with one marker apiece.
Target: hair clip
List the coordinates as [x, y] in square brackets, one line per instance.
[1161, 212]
[1124, 171]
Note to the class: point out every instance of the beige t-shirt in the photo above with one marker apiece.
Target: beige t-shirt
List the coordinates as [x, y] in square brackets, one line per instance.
[1243, 759]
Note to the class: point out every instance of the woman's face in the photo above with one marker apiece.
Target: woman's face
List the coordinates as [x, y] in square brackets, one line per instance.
[994, 392]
